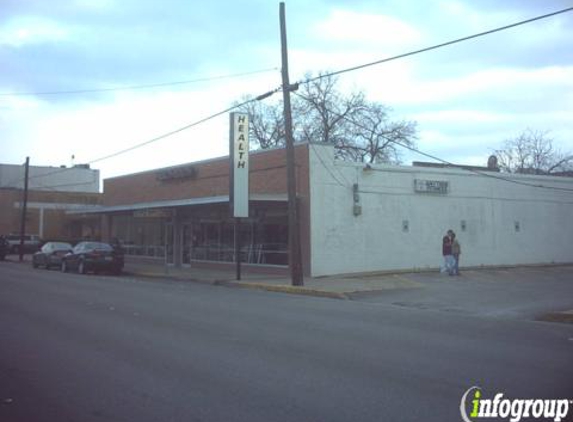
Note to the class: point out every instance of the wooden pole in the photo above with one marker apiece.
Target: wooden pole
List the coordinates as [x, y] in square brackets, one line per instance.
[24, 209]
[295, 263]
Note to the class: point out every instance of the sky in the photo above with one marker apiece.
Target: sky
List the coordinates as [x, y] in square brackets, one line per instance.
[466, 98]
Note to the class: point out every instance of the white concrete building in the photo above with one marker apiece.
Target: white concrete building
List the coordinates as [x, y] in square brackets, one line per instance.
[79, 178]
[394, 217]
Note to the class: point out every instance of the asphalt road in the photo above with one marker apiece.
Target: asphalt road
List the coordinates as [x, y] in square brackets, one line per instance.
[106, 348]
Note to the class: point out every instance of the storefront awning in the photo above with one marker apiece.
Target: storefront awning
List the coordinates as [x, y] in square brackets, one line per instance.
[102, 209]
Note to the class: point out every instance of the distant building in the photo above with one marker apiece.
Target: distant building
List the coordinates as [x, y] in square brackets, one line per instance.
[51, 192]
[79, 178]
[492, 166]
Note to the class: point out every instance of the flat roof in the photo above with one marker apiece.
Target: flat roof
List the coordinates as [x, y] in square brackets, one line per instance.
[100, 209]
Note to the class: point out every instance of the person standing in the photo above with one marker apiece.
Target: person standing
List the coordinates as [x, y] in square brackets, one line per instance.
[447, 254]
[456, 252]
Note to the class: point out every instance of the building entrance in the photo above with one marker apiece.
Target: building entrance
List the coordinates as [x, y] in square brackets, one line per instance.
[169, 243]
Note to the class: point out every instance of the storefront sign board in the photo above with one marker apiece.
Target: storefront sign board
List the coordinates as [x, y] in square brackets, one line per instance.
[239, 175]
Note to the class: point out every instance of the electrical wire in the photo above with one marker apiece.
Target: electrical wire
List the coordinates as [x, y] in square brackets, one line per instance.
[181, 129]
[136, 87]
[327, 168]
[165, 135]
[260, 97]
[433, 157]
[434, 47]
[173, 132]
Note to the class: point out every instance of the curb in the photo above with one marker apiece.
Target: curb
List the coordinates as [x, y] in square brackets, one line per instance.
[173, 278]
[280, 288]
[246, 285]
[283, 288]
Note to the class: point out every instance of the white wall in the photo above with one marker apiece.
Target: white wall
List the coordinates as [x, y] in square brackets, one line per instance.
[71, 179]
[375, 240]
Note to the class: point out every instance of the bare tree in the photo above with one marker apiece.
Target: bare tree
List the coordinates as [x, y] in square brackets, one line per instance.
[359, 130]
[377, 138]
[266, 124]
[532, 152]
[323, 113]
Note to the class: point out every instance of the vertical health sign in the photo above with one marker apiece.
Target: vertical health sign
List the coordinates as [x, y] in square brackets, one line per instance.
[239, 174]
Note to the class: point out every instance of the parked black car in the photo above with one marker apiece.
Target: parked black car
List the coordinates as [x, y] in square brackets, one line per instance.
[4, 248]
[93, 256]
[51, 254]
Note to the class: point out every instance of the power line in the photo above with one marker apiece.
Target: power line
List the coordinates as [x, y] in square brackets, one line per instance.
[433, 157]
[481, 173]
[136, 87]
[165, 135]
[260, 97]
[181, 129]
[338, 182]
[434, 47]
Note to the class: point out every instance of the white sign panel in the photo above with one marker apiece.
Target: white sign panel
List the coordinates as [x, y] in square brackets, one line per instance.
[239, 175]
[431, 186]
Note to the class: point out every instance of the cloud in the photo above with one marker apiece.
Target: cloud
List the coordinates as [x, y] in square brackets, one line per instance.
[493, 89]
[89, 44]
[465, 97]
[346, 28]
[90, 130]
[23, 31]
[541, 43]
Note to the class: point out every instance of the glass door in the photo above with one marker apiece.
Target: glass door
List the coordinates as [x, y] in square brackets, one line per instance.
[186, 244]
[169, 241]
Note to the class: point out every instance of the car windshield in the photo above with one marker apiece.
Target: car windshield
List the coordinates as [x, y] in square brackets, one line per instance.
[16, 237]
[60, 245]
[97, 245]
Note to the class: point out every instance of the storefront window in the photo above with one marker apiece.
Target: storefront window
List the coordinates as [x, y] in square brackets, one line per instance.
[204, 234]
[140, 236]
[260, 243]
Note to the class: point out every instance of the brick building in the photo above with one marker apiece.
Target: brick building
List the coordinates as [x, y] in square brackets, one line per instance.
[53, 191]
[181, 214]
[47, 214]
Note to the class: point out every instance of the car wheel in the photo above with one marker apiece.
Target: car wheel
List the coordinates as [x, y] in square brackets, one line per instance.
[48, 265]
[34, 264]
[64, 267]
[82, 267]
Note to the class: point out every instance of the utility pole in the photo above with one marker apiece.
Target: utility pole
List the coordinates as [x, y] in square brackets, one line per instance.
[24, 209]
[295, 263]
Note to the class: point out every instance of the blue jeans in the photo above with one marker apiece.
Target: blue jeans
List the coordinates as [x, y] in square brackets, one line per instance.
[449, 263]
[456, 269]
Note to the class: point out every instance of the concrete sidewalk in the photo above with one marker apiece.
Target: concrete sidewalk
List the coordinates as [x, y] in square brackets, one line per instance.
[527, 290]
[269, 279]
[334, 287]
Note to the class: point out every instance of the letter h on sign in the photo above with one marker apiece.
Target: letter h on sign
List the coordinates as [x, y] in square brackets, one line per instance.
[239, 164]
